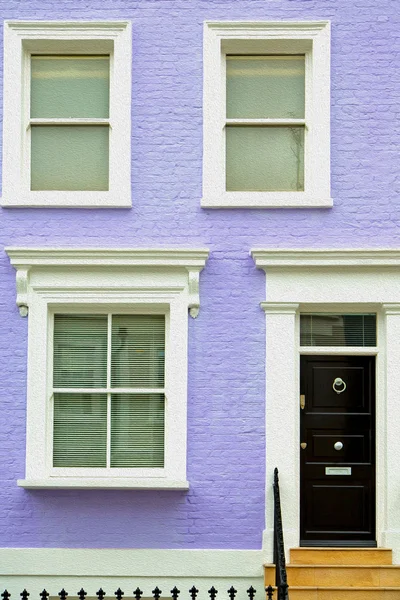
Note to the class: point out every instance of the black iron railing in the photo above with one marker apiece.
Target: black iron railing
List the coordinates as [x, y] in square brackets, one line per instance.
[279, 547]
[137, 594]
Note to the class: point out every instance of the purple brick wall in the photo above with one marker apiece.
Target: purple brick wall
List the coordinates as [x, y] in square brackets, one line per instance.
[225, 505]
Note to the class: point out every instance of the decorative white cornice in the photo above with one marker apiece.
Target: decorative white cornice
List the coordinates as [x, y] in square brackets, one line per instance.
[284, 308]
[286, 28]
[306, 258]
[391, 308]
[27, 259]
[38, 27]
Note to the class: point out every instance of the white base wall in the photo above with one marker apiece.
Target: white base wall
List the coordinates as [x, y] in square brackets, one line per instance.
[71, 569]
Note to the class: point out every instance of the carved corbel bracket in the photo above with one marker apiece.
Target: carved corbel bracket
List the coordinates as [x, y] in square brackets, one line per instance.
[22, 291]
[194, 292]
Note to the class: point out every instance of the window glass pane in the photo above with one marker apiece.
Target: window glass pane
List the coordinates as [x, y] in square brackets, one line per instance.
[80, 351]
[80, 430]
[326, 329]
[265, 87]
[137, 430]
[138, 347]
[265, 158]
[70, 86]
[72, 157]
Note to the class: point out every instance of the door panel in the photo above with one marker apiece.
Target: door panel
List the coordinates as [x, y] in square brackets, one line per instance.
[337, 497]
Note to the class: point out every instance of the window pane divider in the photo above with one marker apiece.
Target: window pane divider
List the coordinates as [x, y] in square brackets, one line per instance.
[69, 121]
[108, 441]
[276, 122]
[109, 362]
[108, 390]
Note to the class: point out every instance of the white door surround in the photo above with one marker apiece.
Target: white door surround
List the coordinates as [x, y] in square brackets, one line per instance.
[330, 281]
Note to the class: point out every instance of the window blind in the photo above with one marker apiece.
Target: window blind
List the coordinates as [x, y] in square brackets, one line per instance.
[330, 329]
[84, 359]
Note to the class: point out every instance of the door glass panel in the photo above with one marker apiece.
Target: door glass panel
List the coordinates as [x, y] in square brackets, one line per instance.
[329, 329]
[265, 87]
[70, 86]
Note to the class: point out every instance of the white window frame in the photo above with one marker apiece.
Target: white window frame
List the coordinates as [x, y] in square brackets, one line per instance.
[309, 38]
[23, 38]
[82, 281]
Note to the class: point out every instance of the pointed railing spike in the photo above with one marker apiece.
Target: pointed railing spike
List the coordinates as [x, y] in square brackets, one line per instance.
[175, 593]
[44, 594]
[63, 594]
[251, 592]
[193, 592]
[156, 593]
[270, 589]
[232, 593]
[24, 595]
[138, 593]
[213, 593]
[100, 594]
[119, 593]
[6, 594]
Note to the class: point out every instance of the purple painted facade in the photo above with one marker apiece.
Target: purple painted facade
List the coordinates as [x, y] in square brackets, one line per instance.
[224, 507]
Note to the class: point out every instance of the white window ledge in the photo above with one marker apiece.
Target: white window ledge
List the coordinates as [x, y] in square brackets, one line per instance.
[266, 200]
[105, 482]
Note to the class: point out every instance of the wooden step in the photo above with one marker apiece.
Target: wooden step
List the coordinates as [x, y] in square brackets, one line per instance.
[340, 556]
[343, 593]
[339, 575]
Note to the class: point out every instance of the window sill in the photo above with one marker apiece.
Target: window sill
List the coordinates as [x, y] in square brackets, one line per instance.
[57, 199]
[266, 200]
[105, 483]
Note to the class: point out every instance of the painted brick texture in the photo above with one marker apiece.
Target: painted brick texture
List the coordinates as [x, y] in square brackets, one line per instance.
[226, 450]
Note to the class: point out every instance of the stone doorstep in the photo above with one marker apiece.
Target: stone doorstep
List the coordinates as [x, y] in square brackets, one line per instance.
[343, 593]
[340, 556]
[340, 574]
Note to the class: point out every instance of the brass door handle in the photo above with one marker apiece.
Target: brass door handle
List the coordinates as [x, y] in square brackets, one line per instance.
[303, 445]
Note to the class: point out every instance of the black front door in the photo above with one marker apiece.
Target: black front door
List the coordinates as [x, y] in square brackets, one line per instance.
[337, 451]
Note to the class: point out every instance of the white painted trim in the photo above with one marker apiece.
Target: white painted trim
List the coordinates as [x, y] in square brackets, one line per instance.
[127, 280]
[24, 37]
[116, 483]
[54, 568]
[141, 562]
[361, 280]
[130, 257]
[311, 38]
[359, 257]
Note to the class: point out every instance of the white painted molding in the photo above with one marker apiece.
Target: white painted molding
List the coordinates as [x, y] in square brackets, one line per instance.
[311, 38]
[391, 309]
[24, 259]
[73, 568]
[258, 28]
[275, 307]
[116, 483]
[308, 257]
[22, 291]
[91, 28]
[194, 293]
[326, 280]
[21, 39]
[137, 281]
[120, 562]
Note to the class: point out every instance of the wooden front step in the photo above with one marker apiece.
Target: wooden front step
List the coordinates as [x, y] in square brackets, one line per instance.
[340, 574]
